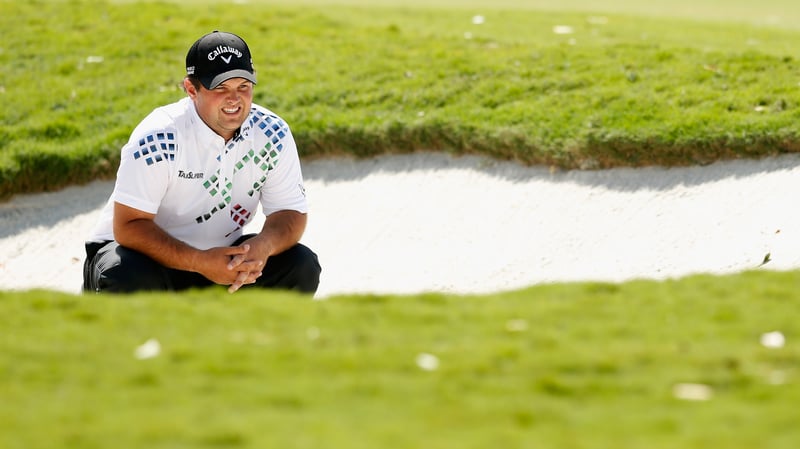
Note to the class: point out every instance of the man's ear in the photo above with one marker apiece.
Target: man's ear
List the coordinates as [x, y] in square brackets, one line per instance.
[189, 88]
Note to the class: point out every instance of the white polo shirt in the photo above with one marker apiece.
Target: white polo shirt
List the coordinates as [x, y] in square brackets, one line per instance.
[202, 189]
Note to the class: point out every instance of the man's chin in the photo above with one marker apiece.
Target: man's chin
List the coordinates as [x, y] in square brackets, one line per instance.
[233, 124]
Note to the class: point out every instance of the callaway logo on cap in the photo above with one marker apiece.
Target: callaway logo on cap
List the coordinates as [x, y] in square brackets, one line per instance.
[219, 56]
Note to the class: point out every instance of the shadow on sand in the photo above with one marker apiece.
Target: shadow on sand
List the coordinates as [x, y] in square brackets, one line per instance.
[45, 210]
[619, 179]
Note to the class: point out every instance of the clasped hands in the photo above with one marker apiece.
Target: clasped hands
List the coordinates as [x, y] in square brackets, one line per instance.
[234, 266]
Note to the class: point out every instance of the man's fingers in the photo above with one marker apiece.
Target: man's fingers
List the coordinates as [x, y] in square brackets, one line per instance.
[245, 265]
[237, 284]
[236, 261]
[242, 249]
[244, 278]
[234, 250]
[239, 255]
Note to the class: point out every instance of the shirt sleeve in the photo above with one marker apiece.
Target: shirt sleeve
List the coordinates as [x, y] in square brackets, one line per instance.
[143, 173]
[283, 188]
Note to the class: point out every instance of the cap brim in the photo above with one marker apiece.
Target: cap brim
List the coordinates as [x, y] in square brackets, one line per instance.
[222, 77]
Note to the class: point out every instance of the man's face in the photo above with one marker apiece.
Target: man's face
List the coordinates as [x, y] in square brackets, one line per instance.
[225, 107]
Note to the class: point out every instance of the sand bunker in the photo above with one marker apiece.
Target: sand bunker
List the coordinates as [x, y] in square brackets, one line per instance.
[433, 222]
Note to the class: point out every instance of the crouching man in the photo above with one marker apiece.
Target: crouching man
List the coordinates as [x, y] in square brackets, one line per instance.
[192, 176]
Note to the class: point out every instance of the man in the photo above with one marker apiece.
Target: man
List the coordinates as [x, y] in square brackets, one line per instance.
[191, 177]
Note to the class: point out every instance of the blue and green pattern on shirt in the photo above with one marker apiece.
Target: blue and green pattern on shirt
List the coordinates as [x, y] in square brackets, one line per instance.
[156, 147]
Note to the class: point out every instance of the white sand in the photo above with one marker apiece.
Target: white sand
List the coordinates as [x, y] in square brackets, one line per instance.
[431, 222]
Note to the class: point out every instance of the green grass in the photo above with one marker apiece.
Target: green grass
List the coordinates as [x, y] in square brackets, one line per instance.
[365, 80]
[783, 13]
[587, 365]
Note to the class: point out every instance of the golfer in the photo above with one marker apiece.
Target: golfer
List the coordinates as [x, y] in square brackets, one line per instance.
[192, 176]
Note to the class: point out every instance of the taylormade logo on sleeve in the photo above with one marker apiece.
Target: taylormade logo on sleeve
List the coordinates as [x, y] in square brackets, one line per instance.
[222, 49]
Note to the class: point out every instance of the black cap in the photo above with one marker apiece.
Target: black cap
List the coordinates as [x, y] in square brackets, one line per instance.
[219, 56]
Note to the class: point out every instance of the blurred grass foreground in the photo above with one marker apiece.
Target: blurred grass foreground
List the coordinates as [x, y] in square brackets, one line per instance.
[696, 363]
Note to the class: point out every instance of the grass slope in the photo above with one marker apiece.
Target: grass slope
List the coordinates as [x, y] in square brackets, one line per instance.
[573, 366]
[617, 90]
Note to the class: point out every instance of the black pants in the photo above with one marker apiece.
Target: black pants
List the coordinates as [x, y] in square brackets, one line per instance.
[110, 267]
